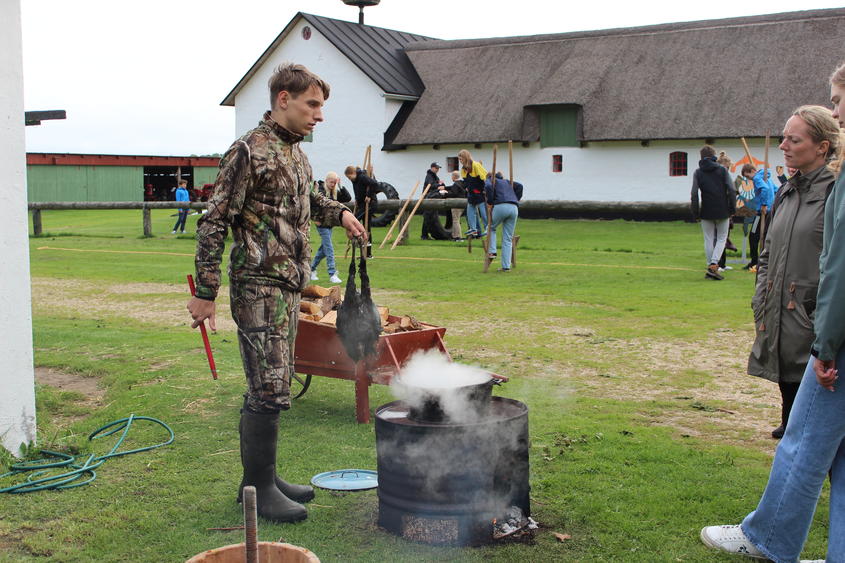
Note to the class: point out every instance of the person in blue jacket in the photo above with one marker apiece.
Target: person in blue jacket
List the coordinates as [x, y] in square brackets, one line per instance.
[504, 198]
[182, 195]
[764, 196]
[813, 446]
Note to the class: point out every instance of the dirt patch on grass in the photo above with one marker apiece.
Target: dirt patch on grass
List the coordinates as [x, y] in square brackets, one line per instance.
[87, 386]
[151, 303]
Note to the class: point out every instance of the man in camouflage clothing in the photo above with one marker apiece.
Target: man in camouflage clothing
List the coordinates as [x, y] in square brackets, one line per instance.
[264, 192]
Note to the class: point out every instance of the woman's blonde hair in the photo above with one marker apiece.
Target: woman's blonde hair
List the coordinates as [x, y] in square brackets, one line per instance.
[838, 79]
[464, 156]
[329, 176]
[823, 127]
[838, 76]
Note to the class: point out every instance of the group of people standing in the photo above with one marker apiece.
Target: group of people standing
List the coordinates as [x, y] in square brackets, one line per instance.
[471, 181]
[500, 196]
[799, 316]
[721, 200]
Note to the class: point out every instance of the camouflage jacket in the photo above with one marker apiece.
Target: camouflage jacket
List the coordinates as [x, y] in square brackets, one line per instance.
[264, 193]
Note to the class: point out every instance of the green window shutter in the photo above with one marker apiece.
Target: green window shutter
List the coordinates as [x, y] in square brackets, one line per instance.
[559, 126]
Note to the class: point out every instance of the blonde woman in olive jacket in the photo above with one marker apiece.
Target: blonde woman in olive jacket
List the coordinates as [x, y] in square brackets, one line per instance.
[788, 269]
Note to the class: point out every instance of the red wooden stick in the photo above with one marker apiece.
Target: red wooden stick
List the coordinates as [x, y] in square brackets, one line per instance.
[204, 333]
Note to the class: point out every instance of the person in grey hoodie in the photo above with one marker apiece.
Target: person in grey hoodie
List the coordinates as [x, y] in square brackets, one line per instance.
[718, 203]
[788, 268]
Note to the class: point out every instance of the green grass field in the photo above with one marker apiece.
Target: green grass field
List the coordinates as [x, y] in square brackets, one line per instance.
[643, 426]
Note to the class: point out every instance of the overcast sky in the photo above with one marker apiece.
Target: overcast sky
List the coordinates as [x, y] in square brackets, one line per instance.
[148, 77]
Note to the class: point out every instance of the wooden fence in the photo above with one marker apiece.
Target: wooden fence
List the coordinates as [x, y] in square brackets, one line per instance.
[639, 210]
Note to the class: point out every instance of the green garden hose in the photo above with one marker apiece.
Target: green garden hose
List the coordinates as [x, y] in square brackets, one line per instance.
[76, 476]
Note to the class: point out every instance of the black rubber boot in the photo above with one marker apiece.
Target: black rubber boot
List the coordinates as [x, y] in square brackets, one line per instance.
[298, 493]
[788, 391]
[258, 456]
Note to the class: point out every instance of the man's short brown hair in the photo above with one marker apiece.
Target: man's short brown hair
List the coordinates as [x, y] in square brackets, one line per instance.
[707, 151]
[747, 168]
[294, 79]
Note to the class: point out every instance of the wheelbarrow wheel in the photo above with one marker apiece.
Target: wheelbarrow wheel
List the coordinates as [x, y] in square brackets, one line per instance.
[299, 384]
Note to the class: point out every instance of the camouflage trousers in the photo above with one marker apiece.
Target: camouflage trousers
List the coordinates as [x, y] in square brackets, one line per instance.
[267, 319]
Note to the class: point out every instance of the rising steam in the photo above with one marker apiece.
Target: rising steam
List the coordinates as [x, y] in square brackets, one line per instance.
[430, 375]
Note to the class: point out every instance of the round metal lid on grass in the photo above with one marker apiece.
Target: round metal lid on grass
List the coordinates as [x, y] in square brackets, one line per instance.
[346, 480]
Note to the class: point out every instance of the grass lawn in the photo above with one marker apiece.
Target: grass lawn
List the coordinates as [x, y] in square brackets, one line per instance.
[643, 425]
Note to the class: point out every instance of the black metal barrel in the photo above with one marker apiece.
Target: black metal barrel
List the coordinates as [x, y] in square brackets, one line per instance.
[444, 483]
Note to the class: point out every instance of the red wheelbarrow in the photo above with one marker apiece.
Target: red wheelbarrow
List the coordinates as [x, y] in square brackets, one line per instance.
[319, 351]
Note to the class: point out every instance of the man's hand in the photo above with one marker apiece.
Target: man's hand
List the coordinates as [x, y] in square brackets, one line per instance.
[354, 228]
[200, 310]
[826, 373]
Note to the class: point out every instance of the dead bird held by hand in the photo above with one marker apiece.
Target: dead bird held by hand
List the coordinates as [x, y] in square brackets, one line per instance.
[358, 320]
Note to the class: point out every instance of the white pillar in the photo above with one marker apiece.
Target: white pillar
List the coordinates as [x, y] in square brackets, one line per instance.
[17, 377]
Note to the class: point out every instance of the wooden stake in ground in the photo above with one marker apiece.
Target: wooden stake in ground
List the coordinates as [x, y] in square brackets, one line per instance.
[366, 167]
[747, 151]
[765, 179]
[515, 238]
[766, 159]
[488, 250]
[399, 216]
[411, 216]
[369, 244]
[751, 162]
[349, 241]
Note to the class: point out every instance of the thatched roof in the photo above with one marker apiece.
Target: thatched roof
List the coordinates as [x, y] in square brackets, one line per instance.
[377, 51]
[719, 78]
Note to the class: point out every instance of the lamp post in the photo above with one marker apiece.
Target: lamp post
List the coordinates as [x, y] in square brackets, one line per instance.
[361, 5]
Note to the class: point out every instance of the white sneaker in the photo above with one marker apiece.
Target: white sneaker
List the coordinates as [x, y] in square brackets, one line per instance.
[335, 279]
[728, 267]
[730, 539]
[314, 275]
[722, 270]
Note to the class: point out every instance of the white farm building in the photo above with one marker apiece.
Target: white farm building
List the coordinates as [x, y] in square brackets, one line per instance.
[614, 116]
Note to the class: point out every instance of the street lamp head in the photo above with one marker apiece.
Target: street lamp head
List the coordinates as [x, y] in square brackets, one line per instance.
[361, 5]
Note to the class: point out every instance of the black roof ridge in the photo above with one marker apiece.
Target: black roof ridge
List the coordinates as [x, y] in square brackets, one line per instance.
[655, 29]
[396, 76]
[315, 16]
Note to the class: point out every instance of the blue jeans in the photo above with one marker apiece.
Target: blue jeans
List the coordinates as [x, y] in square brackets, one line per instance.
[180, 221]
[813, 444]
[326, 250]
[504, 214]
[474, 211]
